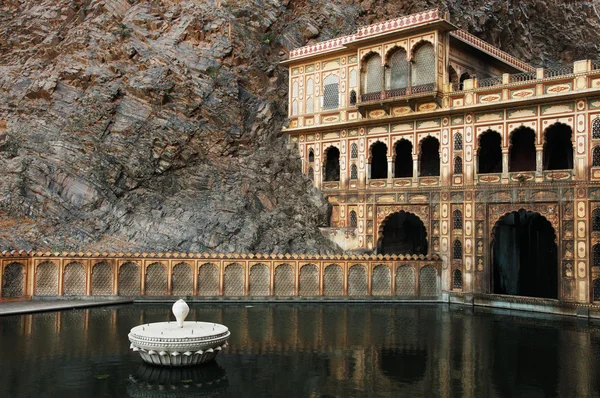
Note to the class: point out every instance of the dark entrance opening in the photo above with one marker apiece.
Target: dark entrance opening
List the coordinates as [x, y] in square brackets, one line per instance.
[489, 154]
[402, 233]
[379, 160]
[430, 157]
[525, 256]
[558, 148]
[404, 161]
[522, 150]
[332, 164]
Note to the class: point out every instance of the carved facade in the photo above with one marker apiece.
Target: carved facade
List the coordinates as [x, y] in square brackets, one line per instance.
[415, 116]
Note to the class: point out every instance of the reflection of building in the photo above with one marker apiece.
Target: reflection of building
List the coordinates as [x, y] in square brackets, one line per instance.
[426, 139]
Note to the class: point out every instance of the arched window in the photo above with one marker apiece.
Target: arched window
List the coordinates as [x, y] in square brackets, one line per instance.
[423, 68]
[373, 75]
[522, 150]
[457, 219]
[378, 160]
[452, 76]
[458, 165]
[429, 157]
[310, 105]
[353, 219]
[596, 220]
[457, 250]
[353, 78]
[332, 164]
[294, 108]
[353, 172]
[403, 166]
[596, 156]
[398, 70]
[558, 148]
[596, 292]
[331, 99]
[352, 97]
[311, 173]
[458, 142]
[489, 153]
[596, 128]
[311, 155]
[309, 86]
[596, 254]
[353, 151]
[457, 280]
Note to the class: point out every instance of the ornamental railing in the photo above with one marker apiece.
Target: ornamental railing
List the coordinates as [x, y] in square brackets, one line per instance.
[422, 88]
[490, 81]
[558, 71]
[523, 77]
[397, 92]
[370, 97]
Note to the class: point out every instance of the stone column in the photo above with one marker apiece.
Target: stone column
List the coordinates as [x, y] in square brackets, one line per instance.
[505, 163]
[390, 175]
[539, 157]
[416, 170]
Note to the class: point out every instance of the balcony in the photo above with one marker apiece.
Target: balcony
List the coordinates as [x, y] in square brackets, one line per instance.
[398, 93]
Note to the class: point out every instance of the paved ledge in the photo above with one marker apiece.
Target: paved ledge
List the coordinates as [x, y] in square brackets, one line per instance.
[286, 299]
[44, 305]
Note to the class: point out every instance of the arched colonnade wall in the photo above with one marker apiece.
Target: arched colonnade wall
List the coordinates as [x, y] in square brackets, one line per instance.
[239, 276]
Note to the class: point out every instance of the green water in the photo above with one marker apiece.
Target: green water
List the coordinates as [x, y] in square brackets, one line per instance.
[308, 350]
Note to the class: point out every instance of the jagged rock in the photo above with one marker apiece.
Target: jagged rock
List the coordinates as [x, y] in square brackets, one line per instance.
[129, 125]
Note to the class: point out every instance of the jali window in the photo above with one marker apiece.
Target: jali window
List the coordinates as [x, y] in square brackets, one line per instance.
[596, 128]
[458, 142]
[457, 219]
[457, 250]
[331, 99]
[353, 219]
[353, 172]
[458, 165]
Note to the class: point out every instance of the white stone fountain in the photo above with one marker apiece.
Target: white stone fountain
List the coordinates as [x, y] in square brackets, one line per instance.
[179, 343]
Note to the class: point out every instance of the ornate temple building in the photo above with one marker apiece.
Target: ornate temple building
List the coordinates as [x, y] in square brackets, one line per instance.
[429, 141]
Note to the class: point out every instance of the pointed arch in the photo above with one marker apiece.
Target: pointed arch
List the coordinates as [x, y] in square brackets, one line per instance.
[402, 233]
[74, 279]
[102, 279]
[489, 153]
[521, 152]
[558, 147]
[208, 280]
[332, 164]
[333, 281]
[260, 280]
[378, 159]
[46, 279]
[13, 280]
[357, 280]
[283, 280]
[429, 156]
[423, 66]
[308, 283]
[372, 81]
[129, 279]
[381, 281]
[182, 283]
[403, 162]
[234, 280]
[398, 68]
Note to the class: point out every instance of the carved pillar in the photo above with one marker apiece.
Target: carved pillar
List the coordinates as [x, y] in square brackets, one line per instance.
[416, 170]
[505, 163]
[390, 172]
[539, 156]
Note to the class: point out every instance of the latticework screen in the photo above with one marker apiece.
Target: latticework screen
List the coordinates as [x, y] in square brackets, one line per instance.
[129, 280]
[233, 280]
[331, 99]
[74, 279]
[333, 281]
[156, 280]
[428, 284]
[357, 281]
[405, 281]
[373, 75]
[13, 280]
[398, 70]
[284, 280]
[102, 279]
[423, 65]
[457, 280]
[208, 280]
[260, 280]
[381, 282]
[182, 283]
[309, 280]
[46, 279]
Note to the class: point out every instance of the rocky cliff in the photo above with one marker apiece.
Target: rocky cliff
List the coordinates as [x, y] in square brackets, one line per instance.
[130, 125]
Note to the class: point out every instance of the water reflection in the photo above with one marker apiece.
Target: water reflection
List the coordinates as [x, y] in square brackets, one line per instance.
[296, 350]
[209, 380]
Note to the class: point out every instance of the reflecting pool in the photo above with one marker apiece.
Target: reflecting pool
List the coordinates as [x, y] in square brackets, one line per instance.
[308, 350]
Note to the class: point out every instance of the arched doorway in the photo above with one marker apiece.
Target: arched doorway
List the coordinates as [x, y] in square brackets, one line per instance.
[402, 233]
[332, 164]
[524, 256]
[379, 166]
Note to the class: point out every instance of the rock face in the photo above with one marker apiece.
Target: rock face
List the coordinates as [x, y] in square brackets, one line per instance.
[129, 125]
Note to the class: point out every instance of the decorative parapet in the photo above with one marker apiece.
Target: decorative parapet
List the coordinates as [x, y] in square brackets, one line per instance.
[221, 256]
[398, 24]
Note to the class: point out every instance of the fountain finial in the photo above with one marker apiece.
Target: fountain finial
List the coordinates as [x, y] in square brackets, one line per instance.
[180, 310]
